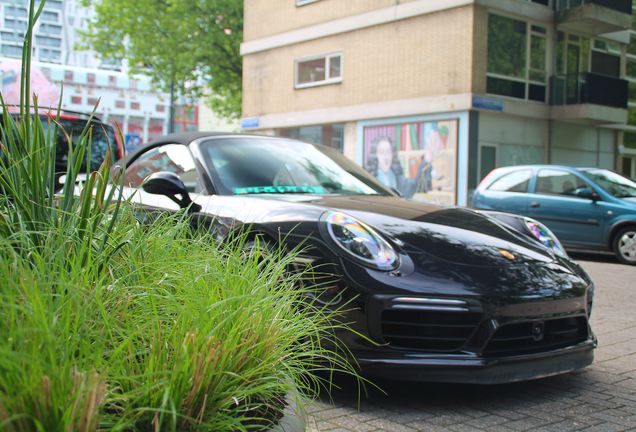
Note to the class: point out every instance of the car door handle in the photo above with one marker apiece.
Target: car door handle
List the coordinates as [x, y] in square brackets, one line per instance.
[535, 204]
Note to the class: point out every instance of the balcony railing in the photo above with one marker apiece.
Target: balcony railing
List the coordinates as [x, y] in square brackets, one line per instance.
[588, 88]
[624, 6]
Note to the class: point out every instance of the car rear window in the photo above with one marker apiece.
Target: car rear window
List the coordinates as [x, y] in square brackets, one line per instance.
[102, 136]
[517, 181]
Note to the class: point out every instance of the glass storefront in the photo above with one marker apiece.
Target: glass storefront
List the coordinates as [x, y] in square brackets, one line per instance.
[331, 135]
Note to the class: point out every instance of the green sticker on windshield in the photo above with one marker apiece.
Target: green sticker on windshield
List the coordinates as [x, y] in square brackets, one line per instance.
[279, 190]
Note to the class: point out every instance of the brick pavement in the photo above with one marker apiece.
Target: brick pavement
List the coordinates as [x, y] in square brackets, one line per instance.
[602, 397]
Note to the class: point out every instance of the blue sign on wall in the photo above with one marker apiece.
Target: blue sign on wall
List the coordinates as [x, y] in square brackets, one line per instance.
[132, 141]
[250, 122]
[481, 102]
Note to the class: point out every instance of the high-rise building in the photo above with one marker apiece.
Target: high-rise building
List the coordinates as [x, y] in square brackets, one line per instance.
[131, 103]
[436, 93]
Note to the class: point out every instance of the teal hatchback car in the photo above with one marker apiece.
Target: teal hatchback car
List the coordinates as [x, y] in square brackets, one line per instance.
[587, 208]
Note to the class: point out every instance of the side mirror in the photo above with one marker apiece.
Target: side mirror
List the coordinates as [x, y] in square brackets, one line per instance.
[170, 185]
[586, 193]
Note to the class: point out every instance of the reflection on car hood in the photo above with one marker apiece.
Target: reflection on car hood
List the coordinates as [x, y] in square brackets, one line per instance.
[452, 234]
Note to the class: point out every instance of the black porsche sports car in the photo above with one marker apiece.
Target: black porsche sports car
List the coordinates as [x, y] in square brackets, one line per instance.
[436, 294]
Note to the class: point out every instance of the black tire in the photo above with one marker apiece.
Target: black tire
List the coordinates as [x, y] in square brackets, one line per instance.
[259, 243]
[624, 245]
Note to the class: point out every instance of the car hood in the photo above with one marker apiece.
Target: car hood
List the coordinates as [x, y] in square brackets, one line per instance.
[631, 200]
[459, 235]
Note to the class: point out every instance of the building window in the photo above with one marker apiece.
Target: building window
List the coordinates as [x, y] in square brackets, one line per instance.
[319, 70]
[92, 101]
[12, 24]
[51, 29]
[90, 78]
[68, 75]
[112, 81]
[50, 55]
[11, 37]
[517, 59]
[55, 4]
[120, 104]
[331, 135]
[155, 128]
[134, 105]
[14, 11]
[606, 58]
[11, 50]
[161, 108]
[49, 16]
[77, 100]
[629, 138]
[48, 41]
[186, 118]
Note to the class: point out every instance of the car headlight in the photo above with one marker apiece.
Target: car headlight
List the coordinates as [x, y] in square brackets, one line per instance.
[544, 236]
[360, 241]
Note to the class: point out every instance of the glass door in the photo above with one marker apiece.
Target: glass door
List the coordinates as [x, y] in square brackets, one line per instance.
[628, 166]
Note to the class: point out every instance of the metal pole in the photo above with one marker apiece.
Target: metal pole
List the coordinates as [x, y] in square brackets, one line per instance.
[171, 115]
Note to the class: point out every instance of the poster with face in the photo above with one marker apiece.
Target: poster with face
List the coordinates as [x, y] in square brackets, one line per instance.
[418, 159]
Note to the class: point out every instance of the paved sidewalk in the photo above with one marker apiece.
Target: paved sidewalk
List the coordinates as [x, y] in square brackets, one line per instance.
[599, 398]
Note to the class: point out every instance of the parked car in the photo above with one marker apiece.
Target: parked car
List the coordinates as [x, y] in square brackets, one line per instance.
[587, 208]
[71, 124]
[434, 293]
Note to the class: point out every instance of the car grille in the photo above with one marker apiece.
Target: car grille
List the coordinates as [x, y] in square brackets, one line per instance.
[537, 336]
[436, 331]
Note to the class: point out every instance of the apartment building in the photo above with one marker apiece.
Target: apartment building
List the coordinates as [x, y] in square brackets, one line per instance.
[430, 95]
[130, 103]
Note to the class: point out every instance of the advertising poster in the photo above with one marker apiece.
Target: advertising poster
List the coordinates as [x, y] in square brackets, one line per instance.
[47, 92]
[419, 159]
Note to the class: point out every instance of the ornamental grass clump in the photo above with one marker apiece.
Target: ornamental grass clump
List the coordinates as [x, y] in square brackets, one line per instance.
[109, 324]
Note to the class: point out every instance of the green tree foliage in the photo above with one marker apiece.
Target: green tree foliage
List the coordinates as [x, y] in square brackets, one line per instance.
[193, 43]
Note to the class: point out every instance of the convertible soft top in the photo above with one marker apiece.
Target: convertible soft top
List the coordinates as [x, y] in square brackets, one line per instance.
[185, 138]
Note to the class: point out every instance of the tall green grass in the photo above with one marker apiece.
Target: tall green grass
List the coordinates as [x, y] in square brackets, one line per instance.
[176, 333]
[107, 324]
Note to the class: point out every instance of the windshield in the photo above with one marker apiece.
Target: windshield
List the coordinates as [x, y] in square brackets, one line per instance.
[612, 183]
[279, 166]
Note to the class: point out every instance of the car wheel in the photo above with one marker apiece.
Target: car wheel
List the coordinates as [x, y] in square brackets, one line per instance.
[258, 245]
[625, 245]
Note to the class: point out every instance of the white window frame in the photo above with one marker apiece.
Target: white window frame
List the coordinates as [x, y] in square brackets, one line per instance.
[547, 36]
[328, 79]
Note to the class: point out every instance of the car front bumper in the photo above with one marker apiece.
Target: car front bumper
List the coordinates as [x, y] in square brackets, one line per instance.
[475, 370]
